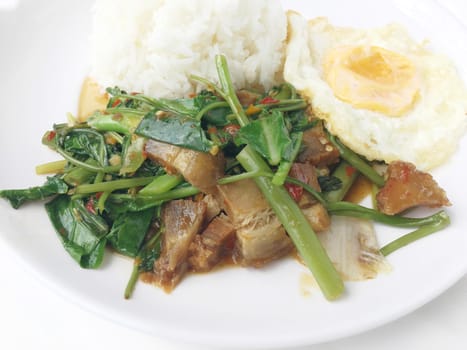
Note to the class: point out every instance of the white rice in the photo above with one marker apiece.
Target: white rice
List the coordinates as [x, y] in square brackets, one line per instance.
[153, 46]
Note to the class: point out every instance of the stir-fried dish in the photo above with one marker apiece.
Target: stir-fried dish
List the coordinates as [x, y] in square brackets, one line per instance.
[185, 185]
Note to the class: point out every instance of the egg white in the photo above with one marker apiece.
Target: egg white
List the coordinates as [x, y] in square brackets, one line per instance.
[426, 135]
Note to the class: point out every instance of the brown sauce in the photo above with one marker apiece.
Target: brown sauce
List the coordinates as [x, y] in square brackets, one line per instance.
[307, 284]
[359, 190]
[227, 261]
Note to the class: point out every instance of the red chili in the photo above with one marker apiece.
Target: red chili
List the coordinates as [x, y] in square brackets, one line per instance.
[90, 206]
[295, 191]
[268, 100]
[51, 135]
[349, 170]
[116, 102]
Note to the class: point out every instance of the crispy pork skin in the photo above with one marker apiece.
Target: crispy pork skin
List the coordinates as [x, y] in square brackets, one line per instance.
[407, 187]
[182, 220]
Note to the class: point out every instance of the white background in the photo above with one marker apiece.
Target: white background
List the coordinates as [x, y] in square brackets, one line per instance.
[32, 316]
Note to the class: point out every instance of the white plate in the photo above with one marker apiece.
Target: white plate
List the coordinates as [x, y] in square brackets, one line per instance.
[40, 80]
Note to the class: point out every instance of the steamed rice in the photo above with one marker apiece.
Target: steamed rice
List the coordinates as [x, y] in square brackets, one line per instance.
[153, 46]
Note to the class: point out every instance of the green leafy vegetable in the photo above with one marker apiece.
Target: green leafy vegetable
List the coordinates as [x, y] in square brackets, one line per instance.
[329, 183]
[150, 254]
[205, 98]
[83, 233]
[298, 120]
[54, 185]
[120, 122]
[86, 143]
[74, 142]
[149, 168]
[132, 154]
[216, 114]
[177, 130]
[290, 153]
[145, 259]
[128, 231]
[267, 136]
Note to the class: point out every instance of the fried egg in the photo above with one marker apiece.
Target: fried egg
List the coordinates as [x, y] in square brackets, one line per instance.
[384, 95]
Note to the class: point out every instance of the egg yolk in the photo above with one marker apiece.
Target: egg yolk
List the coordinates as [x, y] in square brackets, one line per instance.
[372, 78]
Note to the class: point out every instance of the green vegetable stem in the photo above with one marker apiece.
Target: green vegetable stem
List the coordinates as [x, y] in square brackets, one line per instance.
[280, 201]
[347, 175]
[296, 225]
[357, 162]
[442, 221]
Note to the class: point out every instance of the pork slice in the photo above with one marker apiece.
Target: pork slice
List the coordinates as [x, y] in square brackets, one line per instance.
[242, 201]
[213, 207]
[260, 237]
[306, 173]
[259, 244]
[212, 245]
[247, 97]
[182, 220]
[407, 187]
[317, 217]
[202, 170]
[317, 149]
[162, 153]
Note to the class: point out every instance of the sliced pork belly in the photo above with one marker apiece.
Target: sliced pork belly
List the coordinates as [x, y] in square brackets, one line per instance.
[262, 242]
[212, 245]
[317, 149]
[182, 220]
[202, 170]
[260, 236]
[242, 201]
